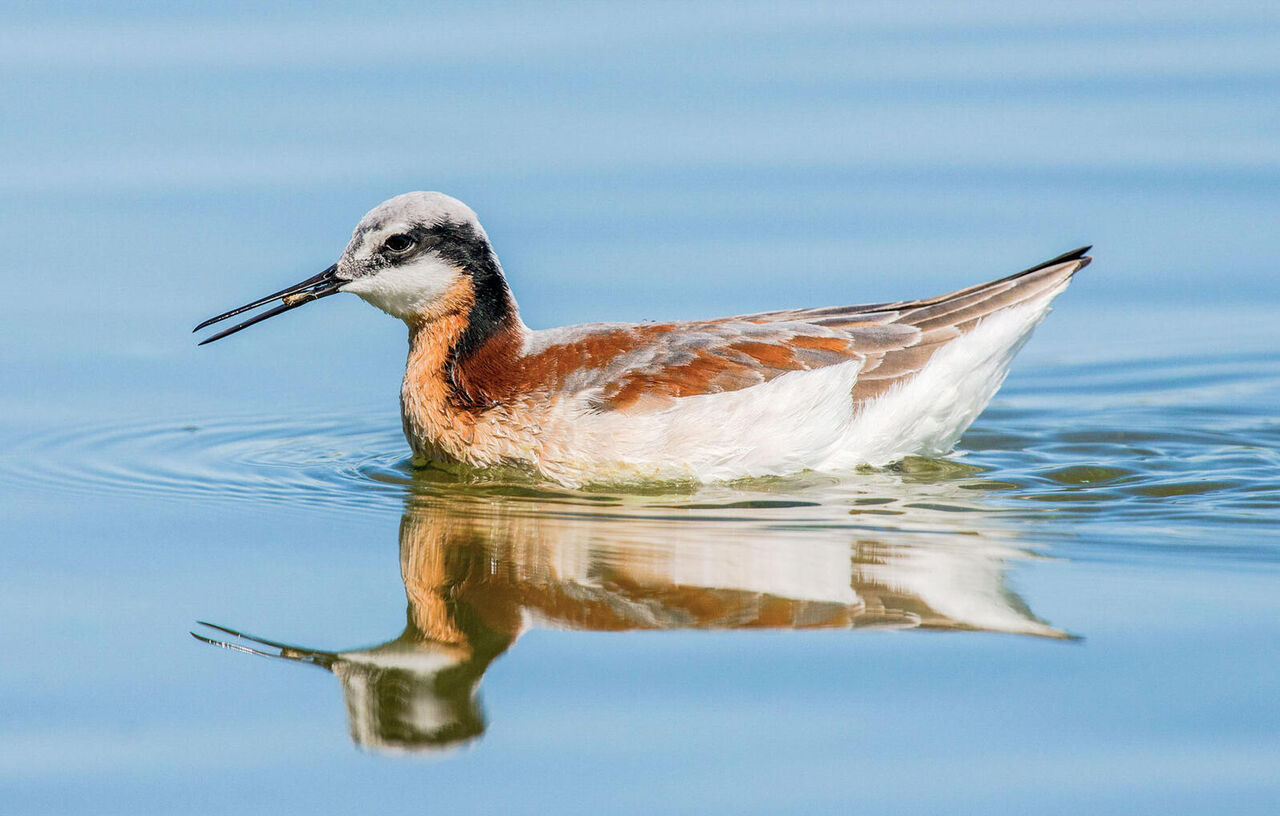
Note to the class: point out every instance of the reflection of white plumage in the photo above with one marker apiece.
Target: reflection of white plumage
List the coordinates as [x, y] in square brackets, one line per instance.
[754, 395]
[477, 576]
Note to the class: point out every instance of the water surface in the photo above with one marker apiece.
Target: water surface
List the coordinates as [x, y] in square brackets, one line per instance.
[1078, 611]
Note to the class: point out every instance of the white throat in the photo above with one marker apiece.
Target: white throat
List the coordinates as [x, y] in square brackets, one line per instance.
[408, 290]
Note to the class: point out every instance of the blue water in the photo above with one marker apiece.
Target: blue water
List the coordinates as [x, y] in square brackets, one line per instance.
[1077, 612]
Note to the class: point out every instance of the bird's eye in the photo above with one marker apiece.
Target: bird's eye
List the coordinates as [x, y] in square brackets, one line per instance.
[400, 243]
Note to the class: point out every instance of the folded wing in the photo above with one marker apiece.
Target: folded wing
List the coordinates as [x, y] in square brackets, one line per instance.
[891, 341]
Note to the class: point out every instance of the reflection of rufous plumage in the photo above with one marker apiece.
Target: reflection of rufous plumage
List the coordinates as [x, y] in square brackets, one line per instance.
[513, 567]
[477, 575]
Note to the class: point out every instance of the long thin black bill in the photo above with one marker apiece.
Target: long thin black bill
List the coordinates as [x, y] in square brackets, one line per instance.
[314, 288]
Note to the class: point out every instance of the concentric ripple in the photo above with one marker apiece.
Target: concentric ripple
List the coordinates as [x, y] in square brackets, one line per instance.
[347, 461]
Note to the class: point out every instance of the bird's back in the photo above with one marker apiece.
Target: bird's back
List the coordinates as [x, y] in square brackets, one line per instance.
[637, 367]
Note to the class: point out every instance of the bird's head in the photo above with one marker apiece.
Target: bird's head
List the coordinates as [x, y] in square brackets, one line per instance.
[412, 252]
[417, 257]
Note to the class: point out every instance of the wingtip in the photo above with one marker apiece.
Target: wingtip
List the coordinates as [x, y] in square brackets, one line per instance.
[1066, 257]
[1081, 254]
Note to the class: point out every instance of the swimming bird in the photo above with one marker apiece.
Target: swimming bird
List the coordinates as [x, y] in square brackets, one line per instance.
[706, 400]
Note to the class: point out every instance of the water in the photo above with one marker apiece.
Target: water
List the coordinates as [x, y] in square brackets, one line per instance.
[1076, 612]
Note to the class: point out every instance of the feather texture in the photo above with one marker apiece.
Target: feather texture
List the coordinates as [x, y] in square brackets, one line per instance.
[751, 395]
[643, 366]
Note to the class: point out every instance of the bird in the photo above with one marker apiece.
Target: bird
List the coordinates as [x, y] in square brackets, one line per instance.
[772, 394]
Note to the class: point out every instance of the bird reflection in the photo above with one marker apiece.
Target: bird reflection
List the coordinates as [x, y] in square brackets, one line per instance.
[478, 573]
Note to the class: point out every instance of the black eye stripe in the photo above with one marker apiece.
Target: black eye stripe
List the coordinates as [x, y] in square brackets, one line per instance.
[458, 244]
[399, 243]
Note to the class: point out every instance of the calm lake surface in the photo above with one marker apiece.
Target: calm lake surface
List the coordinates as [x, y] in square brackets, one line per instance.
[1078, 611]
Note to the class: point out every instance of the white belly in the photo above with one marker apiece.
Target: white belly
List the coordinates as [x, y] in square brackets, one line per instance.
[802, 420]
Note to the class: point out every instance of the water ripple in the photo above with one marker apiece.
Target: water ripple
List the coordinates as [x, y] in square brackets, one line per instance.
[1154, 457]
[324, 460]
